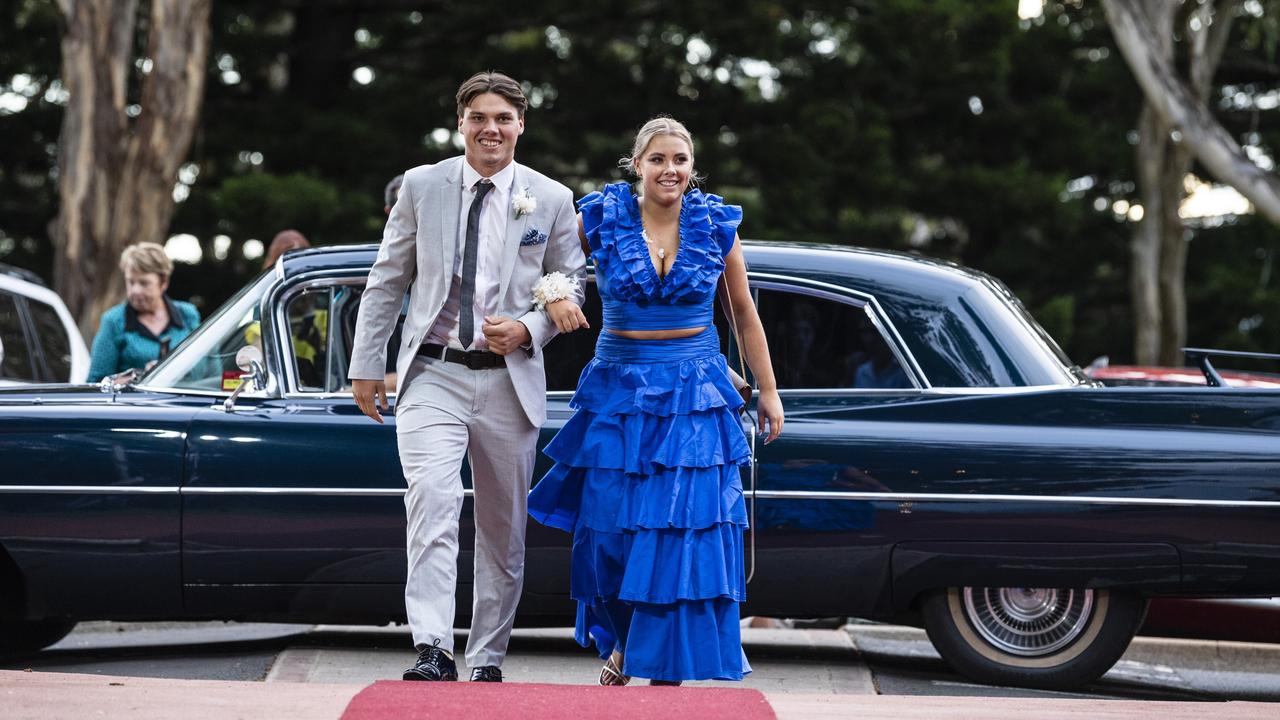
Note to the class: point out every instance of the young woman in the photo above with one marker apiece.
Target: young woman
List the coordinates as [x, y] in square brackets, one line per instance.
[646, 472]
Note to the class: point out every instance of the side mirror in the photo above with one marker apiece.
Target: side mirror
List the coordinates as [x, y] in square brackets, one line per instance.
[249, 359]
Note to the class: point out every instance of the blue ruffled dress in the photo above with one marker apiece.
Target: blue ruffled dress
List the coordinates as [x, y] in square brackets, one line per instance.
[646, 472]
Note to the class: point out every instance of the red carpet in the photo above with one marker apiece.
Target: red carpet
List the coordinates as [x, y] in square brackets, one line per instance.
[390, 699]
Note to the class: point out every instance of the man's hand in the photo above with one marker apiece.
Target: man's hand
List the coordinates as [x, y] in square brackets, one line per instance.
[505, 334]
[367, 393]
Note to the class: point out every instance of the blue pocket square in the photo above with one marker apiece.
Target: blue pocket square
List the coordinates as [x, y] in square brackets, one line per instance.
[533, 237]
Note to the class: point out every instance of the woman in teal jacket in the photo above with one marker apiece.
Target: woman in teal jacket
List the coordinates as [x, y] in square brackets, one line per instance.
[142, 329]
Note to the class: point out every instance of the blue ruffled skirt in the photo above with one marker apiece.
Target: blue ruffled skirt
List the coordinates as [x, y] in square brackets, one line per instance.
[646, 478]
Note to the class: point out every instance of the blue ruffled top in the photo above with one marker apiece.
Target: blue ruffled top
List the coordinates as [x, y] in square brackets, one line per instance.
[634, 296]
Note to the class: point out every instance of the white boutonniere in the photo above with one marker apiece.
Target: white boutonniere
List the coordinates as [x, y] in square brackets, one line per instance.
[552, 287]
[524, 203]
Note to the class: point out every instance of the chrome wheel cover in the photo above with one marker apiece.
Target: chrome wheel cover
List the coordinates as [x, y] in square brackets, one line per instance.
[1029, 622]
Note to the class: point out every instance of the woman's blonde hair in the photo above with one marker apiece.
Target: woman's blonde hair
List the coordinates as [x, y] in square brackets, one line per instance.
[146, 257]
[661, 125]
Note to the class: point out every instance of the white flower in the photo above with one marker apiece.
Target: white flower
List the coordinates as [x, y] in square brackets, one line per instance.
[552, 287]
[524, 203]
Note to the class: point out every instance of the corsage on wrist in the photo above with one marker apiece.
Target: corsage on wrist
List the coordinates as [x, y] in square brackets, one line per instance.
[552, 287]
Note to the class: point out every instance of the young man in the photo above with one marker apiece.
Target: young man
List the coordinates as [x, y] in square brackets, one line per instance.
[470, 236]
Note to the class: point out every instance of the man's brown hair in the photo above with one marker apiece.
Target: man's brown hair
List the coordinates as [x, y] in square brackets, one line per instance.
[491, 82]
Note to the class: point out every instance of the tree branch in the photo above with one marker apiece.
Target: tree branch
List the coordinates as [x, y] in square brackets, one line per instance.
[1177, 106]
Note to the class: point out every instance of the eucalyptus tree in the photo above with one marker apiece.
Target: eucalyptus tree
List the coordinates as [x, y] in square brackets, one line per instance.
[120, 146]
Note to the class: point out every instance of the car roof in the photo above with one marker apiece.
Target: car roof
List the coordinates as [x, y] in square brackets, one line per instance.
[21, 274]
[34, 290]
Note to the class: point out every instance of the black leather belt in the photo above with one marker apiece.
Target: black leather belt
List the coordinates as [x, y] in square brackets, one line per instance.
[474, 359]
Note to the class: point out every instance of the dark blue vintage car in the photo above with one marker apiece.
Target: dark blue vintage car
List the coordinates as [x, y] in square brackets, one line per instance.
[943, 463]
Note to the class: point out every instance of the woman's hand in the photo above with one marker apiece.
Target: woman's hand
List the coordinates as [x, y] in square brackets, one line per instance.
[769, 413]
[567, 315]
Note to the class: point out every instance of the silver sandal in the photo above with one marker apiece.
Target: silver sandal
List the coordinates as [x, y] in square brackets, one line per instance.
[611, 673]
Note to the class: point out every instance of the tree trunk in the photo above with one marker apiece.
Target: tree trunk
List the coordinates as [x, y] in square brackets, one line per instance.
[1144, 247]
[1207, 31]
[1174, 244]
[1151, 159]
[1160, 243]
[116, 176]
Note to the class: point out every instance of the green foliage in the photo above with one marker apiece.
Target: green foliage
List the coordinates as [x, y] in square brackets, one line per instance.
[260, 204]
[29, 67]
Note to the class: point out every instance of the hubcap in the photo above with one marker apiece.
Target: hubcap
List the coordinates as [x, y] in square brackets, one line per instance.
[1028, 621]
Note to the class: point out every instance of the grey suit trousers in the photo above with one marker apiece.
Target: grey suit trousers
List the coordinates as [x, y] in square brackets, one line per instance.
[448, 411]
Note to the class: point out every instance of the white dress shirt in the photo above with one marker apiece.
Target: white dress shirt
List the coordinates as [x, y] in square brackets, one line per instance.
[493, 231]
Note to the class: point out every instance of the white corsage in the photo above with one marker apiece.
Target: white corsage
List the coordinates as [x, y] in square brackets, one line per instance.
[552, 287]
[524, 203]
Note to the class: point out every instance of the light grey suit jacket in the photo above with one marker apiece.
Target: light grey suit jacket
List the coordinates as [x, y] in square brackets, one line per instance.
[417, 253]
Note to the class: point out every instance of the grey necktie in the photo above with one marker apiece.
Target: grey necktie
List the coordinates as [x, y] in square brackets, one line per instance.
[466, 310]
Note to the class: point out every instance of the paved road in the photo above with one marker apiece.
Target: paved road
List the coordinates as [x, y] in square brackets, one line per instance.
[860, 659]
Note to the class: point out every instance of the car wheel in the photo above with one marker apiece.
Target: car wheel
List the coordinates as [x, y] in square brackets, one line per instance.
[1032, 637]
[18, 637]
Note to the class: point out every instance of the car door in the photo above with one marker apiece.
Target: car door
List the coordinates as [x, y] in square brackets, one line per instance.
[294, 499]
[817, 542]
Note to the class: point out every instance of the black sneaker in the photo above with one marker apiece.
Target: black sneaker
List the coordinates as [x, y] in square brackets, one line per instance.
[488, 673]
[433, 664]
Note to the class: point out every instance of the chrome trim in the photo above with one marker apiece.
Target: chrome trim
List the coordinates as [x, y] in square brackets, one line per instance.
[979, 497]
[340, 395]
[924, 392]
[760, 494]
[90, 489]
[193, 392]
[311, 491]
[1003, 390]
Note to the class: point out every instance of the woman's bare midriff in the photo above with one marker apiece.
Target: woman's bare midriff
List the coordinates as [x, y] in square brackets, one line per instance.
[657, 334]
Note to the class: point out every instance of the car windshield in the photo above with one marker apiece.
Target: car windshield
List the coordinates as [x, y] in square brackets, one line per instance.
[206, 359]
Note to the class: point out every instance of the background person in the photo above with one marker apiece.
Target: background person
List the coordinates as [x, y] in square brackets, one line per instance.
[283, 242]
[142, 329]
[391, 193]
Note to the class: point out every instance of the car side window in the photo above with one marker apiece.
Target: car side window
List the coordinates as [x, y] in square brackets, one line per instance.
[53, 339]
[308, 315]
[820, 343]
[16, 361]
[322, 326]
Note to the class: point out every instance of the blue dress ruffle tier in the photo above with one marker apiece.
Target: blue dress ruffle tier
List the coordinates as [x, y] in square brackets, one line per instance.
[646, 473]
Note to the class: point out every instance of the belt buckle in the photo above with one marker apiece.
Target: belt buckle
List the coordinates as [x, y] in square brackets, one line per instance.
[475, 360]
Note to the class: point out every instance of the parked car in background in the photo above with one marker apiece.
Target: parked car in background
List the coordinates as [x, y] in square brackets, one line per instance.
[39, 340]
[943, 464]
[1154, 376]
